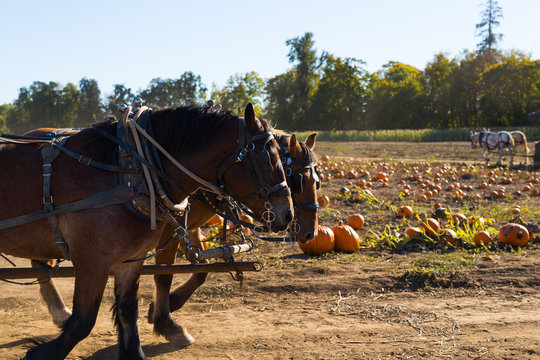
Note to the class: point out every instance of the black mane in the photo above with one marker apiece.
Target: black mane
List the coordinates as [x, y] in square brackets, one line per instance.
[187, 129]
[181, 130]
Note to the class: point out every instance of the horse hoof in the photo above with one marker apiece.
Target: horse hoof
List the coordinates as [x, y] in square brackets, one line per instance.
[181, 340]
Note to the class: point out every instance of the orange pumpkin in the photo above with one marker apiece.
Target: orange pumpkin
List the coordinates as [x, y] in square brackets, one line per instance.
[323, 243]
[482, 238]
[347, 239]
[323, 200]
[431, 227]
[458, 218]
[215, 220]
[356, 221]
[413, 231]
[449, 236]
[405, 211]
[513, 234]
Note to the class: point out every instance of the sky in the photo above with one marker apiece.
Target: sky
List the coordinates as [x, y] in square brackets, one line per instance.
[132, 42]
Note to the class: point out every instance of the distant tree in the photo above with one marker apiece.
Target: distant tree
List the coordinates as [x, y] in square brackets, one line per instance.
[303, 54]
[279, 100]
[465, 90]
[339, 101]
[186, 90]
[239, 90]
[45, 105]
[486, 27]
[90, 109]
[6, 113]
[121, 95]
[510, 91]
[399, 99]
[437, 74]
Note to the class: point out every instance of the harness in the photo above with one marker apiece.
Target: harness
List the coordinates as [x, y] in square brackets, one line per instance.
[140, 174]
[482, 140]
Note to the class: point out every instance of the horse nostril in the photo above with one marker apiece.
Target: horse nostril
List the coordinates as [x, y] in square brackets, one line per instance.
[289, 216]
[309, 236]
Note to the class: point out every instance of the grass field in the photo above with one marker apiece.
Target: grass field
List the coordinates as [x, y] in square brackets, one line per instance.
[411, 135]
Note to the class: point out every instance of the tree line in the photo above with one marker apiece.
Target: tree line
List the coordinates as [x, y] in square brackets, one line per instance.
[481, 88]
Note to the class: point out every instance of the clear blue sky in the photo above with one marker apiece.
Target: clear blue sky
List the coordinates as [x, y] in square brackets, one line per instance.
[131, 42]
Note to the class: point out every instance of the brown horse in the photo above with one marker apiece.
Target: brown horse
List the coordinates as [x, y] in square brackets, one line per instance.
[101, 239]
[299, 162]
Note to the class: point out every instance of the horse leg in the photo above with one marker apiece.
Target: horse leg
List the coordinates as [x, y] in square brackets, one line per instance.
[90, 283]
[181, 294]
[158, 311]
[125, 310]
[486, 157]
[49, 293]
[511, 156]
[500, 154]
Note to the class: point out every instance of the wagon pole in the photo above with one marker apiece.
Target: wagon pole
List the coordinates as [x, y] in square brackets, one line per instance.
[69, 271]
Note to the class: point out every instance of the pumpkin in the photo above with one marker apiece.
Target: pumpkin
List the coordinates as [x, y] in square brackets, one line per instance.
[405, 211]
[482, 238]
[431, 227]
[247, 218]
[413, 231]
[323, 200]
[215, 220]
[356, 221]
[458, 218]
[323, 243]
[449, 236]
[347, 239]
[513, 234]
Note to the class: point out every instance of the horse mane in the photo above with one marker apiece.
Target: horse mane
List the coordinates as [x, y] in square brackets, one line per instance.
[186, 129]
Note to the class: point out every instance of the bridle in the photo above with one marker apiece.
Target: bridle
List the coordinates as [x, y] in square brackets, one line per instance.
[258, 162]
[295, 181]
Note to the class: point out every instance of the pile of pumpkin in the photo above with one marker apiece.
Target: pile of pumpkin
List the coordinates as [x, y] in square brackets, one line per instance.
[342, 237]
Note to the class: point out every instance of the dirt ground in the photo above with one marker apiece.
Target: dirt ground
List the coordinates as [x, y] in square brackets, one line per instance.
[340, 306]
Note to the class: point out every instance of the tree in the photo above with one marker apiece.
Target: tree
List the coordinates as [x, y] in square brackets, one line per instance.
[399, 99]
[340, 98]
[121, 95]
[302, 53]
[186, 90]
[45, 105]
[279, 99]
[90, 108]
[510, 91]
[486, 27]
[6, 113]
[239, 90]
[437, 75]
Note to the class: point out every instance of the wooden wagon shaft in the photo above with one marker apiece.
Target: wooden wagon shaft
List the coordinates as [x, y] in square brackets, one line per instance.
[68, 271]
[222, 252]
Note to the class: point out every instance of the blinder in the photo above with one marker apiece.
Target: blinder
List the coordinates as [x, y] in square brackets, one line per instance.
[258, 163]
[295, 180]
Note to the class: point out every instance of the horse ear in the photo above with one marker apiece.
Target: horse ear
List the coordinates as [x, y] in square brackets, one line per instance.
[294, 147]
[310, 141]
[252, 120]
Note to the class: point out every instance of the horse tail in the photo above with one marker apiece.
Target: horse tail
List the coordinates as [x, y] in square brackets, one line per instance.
[525, 144]
[511, 141]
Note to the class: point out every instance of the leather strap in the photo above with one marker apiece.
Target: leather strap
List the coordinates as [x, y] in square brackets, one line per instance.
[48, 154]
